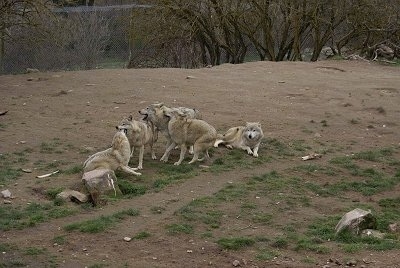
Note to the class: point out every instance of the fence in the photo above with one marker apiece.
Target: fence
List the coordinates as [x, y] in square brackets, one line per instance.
[74, 38]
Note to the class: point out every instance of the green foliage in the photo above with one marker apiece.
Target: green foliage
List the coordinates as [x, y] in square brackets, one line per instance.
[34, 251]
[73, 170]
[267, 255]
[53, 192]
[131, 189]
[60, 240]
[235, 243]
[102, 223]
[19, 218]
[176, 228]
[142, 235]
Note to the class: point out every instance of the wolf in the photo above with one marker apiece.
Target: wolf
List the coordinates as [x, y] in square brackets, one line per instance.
[246, 137]
[117, 156]
[155, 113]
[139, 133]
[185, 131]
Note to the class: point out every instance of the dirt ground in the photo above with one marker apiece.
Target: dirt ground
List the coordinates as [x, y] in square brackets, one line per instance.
[359, 102]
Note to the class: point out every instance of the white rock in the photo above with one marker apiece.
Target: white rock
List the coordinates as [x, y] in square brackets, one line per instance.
[127, 238]
[6, 194]
[236, 263]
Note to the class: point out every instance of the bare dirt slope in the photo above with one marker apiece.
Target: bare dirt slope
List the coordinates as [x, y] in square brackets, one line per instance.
[353, 106]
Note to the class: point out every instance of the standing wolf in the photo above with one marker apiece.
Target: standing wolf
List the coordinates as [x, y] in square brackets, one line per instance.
[112, 158]
[246, 137]
[155, 113]
[139, 133]
[186, 132]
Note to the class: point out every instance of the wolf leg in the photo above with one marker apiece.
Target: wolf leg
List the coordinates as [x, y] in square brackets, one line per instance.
[167, 151]
[182, 155]
[141, 152]
[133, 148]
[247, 148]
[191, 150]
[130, 170]
[153, 154]
[255, 150]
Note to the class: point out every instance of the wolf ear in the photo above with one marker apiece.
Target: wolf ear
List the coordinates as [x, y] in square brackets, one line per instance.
[158, 104]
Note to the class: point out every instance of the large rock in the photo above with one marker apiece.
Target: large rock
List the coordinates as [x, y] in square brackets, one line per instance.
[74, 196]
[356, 221]
[101, 183]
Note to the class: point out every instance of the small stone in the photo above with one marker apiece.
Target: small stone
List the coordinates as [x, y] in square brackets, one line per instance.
[26, 170]
[393, 228]
[6, 194]
[189, 251]
[7, 202]
[351, 263]
[190, 77]
[127, 238]
[236, 263]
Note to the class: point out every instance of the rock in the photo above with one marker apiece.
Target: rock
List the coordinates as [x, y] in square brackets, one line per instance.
[31, 70]
[356, 221]
[351, 263]
[74, 196]
[190, 77]
[6, 194]
[7, 202]
[393, 228]
[236, 263]
[373, 233]
[101, 183]
[127, 238]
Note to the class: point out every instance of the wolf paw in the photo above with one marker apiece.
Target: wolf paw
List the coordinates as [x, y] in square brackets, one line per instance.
[153, 157]
[177, 163]
[139, 167]
[229, 146]
[255, 154]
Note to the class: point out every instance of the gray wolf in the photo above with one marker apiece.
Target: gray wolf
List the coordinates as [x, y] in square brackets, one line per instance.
[155, 113]
[117, 156]
[246, 137]
[185, 131]
[139, 133]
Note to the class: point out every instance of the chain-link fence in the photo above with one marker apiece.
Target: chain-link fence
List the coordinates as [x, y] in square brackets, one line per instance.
[71, 39]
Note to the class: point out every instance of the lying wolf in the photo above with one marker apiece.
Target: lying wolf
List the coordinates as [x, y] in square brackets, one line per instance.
[185, 131]
[155, 113]
[246, 137]
[139, 133]
[112, 158]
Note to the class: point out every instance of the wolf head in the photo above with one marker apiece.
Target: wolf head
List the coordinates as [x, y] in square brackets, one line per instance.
[151, 111]
[253, 131]
[128, 125]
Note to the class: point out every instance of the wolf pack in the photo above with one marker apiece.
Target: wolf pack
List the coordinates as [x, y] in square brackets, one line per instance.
[182, 127]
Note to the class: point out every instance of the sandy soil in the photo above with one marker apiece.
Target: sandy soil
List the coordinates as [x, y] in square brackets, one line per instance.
[359, 102]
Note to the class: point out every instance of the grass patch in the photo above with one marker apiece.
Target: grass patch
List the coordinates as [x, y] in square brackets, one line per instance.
[142, 235]
[102, 223]
[235, 243]
[34, 251]
[73, 170]
[59, 240]
[175, 228]
[170, 174]
[131, 189]
[19, 218]
[267, 255]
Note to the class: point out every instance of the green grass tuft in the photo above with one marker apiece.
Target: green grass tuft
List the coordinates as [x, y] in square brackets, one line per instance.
[235, 243]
